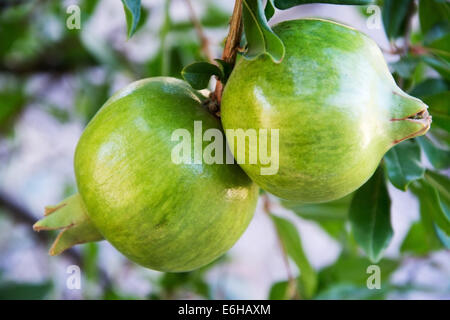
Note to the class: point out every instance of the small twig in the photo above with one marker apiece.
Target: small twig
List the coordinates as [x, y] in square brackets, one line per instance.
[406, 45]
[165, 28]
[234, 35]
[411, 12]
[231, 46]
[200, 33]
[292, 284]
[392, 51]
[415, 50]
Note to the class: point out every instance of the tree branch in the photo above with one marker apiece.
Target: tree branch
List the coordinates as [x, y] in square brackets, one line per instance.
[407, 43]
[292, 284]
[231, 46]
[200, 33]
[411, 11]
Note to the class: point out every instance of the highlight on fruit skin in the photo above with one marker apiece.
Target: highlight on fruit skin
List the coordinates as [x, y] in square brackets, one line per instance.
[161, 215]
[335, 103]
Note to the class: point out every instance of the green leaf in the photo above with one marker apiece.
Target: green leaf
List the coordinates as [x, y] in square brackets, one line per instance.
[214, 17]
[406, 66]
[353, 270]
[269, 10]
[438, 37]
[440, 182]
[90, 98]
[283, 291]
[286, 4]
[432, 12]
[332, 210]
[170, 283]
[441, 136]
[351, 292]
[395, 16]
[438, 64]
[170, 60]
[370, 216]
[13, 100]
[292, 244]
[331, 216]
[410, 68]
[434, 236]
[430, 87]
[143, 19]
[443, 237]
[442, 121]
[90, 261]
[24, 291]
[431, 204]
[279, 291]
[334, 228]
[442, 185]
[437, 155]
[62, 115]
[403, 164]
[226, 69]
[87, 9]
[198, 74]
[133, 14]
[260, 37]
[419, 241]
[436, 94]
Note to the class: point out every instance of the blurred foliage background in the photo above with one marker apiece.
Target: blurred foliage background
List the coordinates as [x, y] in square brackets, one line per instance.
[53, 80]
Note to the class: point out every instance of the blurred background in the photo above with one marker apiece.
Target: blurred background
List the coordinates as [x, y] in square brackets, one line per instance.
[53, 80]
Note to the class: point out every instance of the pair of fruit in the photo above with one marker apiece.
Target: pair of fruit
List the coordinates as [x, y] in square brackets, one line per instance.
[337, 108]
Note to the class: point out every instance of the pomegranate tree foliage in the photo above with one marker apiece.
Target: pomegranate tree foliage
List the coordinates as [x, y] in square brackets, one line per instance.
[419, 166]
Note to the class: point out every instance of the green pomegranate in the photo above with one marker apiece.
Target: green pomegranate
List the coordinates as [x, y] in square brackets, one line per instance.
[334, 103]
[162, 215]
